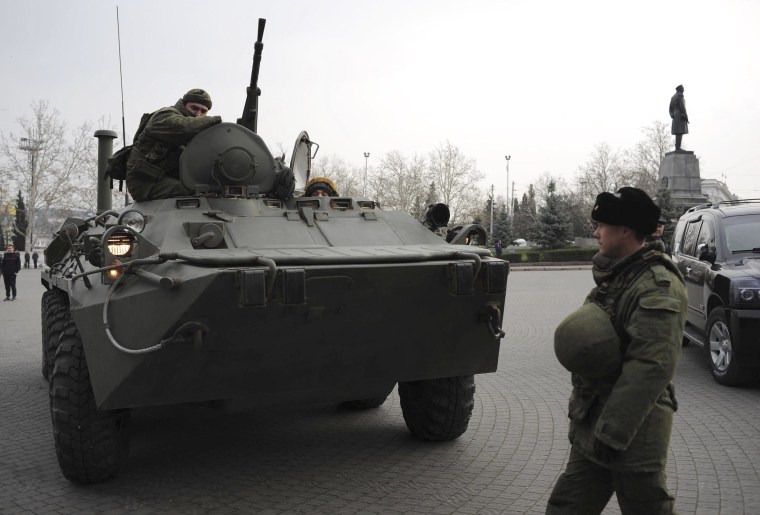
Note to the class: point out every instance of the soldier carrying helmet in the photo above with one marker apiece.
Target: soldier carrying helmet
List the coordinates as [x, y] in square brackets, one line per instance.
[622, 348]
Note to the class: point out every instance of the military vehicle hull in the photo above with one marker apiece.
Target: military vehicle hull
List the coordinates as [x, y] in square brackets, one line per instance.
[340, 323]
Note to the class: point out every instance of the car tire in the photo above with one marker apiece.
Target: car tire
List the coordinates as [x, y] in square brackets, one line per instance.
[438, 409]
[720, 350]
[91, 445]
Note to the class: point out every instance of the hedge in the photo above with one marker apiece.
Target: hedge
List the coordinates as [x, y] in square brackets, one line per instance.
[551, 256]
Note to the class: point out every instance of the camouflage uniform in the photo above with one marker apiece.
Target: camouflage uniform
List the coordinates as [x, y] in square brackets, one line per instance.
[620, 424]
[153, 165]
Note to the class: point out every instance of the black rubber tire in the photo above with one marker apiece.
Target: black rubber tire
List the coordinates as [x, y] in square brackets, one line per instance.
[55, 316]
[720, 350]
[438, 409]
[91, 445]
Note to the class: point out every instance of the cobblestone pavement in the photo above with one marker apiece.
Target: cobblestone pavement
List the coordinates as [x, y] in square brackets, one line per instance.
[322, 459]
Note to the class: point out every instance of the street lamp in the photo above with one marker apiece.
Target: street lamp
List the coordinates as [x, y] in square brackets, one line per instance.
[509, 200]
[366, 157]
[31, 146]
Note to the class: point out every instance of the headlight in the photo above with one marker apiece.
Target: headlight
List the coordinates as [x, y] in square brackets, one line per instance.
[745, 292]
[120, 243]
[133, 219]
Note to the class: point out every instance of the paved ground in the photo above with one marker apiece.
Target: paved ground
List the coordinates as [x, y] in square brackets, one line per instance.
[325, 460]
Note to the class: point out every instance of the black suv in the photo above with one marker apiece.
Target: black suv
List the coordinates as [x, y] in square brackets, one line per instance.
[717, 249]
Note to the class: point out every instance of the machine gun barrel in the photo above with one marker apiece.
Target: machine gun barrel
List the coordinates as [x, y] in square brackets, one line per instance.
[251, 109]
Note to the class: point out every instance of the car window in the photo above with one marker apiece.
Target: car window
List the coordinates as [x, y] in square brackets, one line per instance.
[677, 237]
[690, 238]
[742, 233]
[707, 233]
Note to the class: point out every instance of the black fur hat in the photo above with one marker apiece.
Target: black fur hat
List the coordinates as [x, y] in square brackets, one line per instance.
[630, 207]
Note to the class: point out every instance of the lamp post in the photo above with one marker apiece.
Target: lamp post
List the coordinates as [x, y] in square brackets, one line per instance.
[31, 146]
[366, 157]
[492, 211]
[509, 202]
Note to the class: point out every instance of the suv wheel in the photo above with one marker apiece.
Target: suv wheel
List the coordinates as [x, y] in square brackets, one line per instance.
[720, 350]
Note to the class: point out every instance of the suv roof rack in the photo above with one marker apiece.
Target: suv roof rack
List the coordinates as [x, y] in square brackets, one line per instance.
[721, 203]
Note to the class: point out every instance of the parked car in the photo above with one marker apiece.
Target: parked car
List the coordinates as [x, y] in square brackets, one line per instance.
[717, 249]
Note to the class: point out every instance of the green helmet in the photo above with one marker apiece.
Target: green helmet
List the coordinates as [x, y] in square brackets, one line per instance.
[587, 344]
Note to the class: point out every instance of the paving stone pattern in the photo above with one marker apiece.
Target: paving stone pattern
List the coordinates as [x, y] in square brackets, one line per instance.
[322, 459]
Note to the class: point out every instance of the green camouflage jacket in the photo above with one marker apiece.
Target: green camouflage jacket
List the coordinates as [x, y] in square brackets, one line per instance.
[631, 410]
[157, 149]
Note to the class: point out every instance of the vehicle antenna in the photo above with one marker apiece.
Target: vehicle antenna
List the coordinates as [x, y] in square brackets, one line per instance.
[121, 82]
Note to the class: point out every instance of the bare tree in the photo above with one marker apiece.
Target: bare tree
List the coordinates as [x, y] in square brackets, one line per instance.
[48, 168]
[400, 182]
[642, 162]
[456, 177]
[347, 178]
[603, 171]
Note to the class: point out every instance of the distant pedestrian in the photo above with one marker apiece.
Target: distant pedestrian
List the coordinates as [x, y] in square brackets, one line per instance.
[498, 248]
[10, 266]
[26, 259]
[35, 257]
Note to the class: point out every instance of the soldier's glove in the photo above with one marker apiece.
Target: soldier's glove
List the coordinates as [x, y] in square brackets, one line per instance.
[284, 184]
[604, 452]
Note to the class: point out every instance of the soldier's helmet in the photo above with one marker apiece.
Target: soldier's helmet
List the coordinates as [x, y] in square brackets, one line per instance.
[586, 343]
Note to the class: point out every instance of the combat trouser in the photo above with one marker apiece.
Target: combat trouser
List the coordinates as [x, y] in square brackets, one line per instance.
[586, 488]
[147, 180]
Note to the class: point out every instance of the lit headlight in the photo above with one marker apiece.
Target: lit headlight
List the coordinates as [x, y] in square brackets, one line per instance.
[745, 291]
[120, 243]
[133, 219]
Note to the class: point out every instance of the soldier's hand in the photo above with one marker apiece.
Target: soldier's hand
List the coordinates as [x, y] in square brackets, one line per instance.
[604, 452]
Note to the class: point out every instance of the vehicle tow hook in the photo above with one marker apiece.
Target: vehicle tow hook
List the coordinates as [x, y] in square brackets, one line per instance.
[491, 315]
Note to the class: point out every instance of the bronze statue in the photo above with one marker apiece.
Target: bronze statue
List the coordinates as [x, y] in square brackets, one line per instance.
[680, 124]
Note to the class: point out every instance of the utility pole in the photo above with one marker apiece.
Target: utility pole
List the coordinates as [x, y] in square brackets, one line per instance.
[366, 158]
[512, 202]
[492, 211]
[31, 146]
[508, 158]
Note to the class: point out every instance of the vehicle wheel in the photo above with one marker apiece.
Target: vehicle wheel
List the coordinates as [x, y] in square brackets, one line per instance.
[55, 316]
[438, 409]
[91, 445]
[720, 350]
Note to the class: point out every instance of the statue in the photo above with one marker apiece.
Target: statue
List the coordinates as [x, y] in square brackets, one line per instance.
[680, 124]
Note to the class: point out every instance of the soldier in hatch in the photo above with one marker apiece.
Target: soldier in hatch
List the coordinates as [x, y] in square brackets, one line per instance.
[320, 187]
[153, 165]
[622, 347]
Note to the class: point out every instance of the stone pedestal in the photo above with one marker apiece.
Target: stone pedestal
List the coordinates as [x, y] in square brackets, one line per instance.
[679, 173]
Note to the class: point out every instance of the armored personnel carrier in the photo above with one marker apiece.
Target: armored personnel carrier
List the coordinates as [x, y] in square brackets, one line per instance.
[231, 295]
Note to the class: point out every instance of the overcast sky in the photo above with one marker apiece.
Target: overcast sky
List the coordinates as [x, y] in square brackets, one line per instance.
[543, 82]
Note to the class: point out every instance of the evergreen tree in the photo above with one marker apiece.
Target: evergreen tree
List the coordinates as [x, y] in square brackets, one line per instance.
[553, 227]
[20, 225]
[501, 226]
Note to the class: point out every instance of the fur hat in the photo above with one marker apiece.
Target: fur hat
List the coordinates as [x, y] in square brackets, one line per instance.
[199, 96]
[320, 183]
[630, 207]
